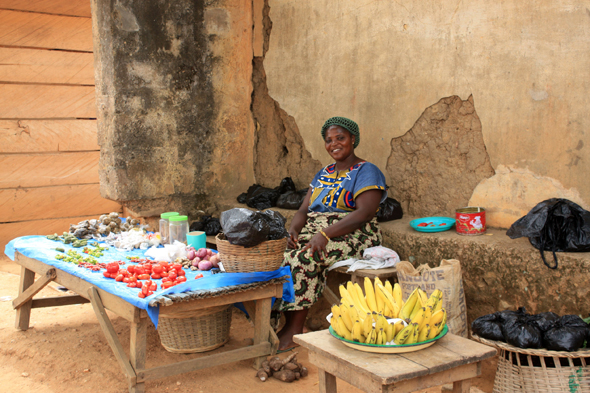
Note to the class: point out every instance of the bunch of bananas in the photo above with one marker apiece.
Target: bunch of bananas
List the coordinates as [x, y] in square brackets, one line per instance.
[362, 317]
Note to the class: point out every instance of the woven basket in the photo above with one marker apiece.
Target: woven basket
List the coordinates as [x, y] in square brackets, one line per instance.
[265, 257]
[195, 331]
[540, 370]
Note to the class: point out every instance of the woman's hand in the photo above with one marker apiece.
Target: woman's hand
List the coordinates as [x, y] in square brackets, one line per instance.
[292, 239]
[317, 244]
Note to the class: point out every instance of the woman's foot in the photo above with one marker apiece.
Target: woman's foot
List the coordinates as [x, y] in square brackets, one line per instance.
[295, 321]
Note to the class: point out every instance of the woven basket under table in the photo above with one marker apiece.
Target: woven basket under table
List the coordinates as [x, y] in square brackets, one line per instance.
[264, 257]
[195, 331]
[540, 370]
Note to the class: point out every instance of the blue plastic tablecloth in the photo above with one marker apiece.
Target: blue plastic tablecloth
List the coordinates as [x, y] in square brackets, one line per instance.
[43, 249]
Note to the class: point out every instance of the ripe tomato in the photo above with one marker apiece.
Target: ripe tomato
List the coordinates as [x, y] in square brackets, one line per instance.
[144, 276]
[139, 270]
[177, 266]
[153, 287]
[155, 276]
[157, 269]
[107, 274]
[132, 279]
[131, 269]
[172, 274]
[141, 295]
[132, 285]
[180, 273]
[119, 278]
[164, 274]
[200, 275]
[181, 279]
[126, 280]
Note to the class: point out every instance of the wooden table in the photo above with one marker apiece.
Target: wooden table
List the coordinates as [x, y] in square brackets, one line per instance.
[451, 359]
[257, 302]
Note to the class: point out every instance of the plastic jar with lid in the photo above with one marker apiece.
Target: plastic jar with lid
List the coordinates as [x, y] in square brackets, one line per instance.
[165, 226]
[178, 228]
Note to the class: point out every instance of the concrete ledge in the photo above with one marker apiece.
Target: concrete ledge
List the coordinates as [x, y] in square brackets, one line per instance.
[498, 272]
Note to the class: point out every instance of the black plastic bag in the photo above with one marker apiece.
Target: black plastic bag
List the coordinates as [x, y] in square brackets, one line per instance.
[276, 223]
[286, 185]
[488, 326]
[389, 210]
[519, 333]
[569, 334]
[556, 225]
[543, 321]
[210, 225]
[244, 227]
[292, 199]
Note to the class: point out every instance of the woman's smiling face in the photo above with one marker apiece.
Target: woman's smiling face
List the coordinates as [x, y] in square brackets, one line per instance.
[339, 143]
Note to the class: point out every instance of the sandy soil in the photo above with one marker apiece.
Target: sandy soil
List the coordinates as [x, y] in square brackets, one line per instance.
[66, 351]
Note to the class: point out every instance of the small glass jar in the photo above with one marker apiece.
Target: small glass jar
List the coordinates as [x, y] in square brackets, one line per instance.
[178, 228]
[165, 226]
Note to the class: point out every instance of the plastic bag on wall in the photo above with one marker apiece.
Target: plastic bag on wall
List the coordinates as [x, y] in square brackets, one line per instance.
[448, 278]
[554, 225]
[389, 210]
[244, 227]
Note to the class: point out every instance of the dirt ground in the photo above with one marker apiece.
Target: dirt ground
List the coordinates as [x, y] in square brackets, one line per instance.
[66, 351]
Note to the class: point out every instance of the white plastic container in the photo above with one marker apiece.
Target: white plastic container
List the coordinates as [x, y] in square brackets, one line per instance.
[165, 226]
[178, 228]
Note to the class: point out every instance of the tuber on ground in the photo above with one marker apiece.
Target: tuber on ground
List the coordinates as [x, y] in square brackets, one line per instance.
[297, 375]
[291, 366]
[262, 375]
[284, 375]
[303, 371]
[264, 366]
[276, 363]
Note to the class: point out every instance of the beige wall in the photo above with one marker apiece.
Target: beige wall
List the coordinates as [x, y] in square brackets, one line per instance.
[383, 63]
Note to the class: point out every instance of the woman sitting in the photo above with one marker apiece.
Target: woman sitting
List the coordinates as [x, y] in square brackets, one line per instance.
[336, 221]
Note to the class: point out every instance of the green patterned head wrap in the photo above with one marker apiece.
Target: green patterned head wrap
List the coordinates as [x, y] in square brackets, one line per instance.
[345, 123]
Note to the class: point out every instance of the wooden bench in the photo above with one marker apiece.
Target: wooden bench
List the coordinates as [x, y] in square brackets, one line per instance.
[452, 359]
[358, 276]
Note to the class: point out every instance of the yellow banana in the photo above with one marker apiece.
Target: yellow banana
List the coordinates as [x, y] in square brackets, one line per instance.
[398, 326]
[345, 315]
[345, 295]
[417, 307]
[343, 330]
[436, 317]
[379, 340]
[406, 310]
[423, 296]
[388, 286]
[403, 335]
[390, 332]
[357, 328]
[370, 293]
[334, 324]
[367, 324]
[353, 294]
[419, 317]
[381, 322]
[423, 333]
[432, 334]
[434, 299]
[442, 323]
[413, 337]
[335, 310]
[361, 296]
[387, 312]
[387, 298]
[372, 336]
[353, 312]
[395, 312]
[397, 295]
[427, 316]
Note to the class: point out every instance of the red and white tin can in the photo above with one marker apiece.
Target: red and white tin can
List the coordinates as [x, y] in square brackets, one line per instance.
[470, 221]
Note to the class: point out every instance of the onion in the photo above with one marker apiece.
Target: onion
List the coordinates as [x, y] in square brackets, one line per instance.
[195, 263]
[191, 254]
[205, 265]
[201, 252]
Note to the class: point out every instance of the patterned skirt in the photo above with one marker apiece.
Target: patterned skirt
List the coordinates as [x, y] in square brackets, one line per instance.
[309, 272]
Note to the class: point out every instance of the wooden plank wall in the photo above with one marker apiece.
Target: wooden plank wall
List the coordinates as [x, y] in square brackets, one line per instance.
[48, 144]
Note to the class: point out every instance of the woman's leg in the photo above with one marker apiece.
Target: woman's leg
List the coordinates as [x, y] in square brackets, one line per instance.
[294, 322]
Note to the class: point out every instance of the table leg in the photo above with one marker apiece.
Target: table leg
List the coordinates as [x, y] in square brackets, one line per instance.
[261, 326]
[327, 382]
[23, 313]
[137, 351]
[462, 386]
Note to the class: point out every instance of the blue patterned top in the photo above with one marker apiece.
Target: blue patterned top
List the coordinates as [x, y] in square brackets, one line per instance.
[336, 191]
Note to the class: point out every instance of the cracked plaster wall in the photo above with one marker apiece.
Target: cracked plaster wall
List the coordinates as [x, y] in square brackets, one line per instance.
[383, 63]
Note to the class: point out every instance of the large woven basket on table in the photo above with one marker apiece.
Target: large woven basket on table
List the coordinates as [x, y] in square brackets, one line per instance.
[540, 370]
[195, 331]
[265, 257]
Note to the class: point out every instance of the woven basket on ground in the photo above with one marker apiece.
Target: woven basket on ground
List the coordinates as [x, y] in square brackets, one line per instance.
[195, 331]
[540, 370]
[265, 257]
